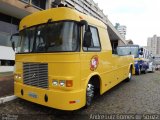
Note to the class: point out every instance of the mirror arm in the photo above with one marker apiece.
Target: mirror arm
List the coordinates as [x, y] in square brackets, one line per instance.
[84, 22]
[13, 43]
[13, 46]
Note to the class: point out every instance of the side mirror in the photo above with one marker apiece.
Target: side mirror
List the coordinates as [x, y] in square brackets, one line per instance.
[141, 51]
[87, 35]
[87, 39]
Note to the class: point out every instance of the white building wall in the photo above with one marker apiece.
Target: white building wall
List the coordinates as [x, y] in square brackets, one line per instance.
[6, 69]
[7, 53]
[122, 30]
[153, 44]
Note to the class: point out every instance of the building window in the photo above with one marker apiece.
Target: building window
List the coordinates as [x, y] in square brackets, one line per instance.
[5, 39]
[27, 1]
[7, 62]
[37, 3]
[9, 19]
[8, 26]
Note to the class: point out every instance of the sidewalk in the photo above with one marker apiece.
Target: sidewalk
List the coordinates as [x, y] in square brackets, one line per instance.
[6, 84]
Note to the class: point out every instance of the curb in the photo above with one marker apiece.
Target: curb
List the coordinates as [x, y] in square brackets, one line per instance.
[7, 99]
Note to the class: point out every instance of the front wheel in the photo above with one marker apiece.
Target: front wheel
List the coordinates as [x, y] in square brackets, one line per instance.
[89, 94]
[145, 71]
[138, 72]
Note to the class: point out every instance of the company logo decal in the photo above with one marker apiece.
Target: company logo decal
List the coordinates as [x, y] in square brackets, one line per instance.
[34, 75]
[94, 63]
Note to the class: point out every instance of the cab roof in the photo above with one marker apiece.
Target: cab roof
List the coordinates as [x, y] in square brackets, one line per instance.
[58, 14]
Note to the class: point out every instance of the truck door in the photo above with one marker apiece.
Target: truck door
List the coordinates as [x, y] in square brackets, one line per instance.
[91, 56]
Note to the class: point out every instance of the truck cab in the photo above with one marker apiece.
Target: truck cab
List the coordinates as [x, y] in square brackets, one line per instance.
[141, 61]
[64, 58]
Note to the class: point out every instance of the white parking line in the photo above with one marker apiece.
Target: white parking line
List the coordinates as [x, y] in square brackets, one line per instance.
[7, 99]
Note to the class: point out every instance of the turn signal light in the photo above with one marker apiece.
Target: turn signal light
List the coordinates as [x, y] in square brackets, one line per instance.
[72, 102]
[81, 17]
[69, 83]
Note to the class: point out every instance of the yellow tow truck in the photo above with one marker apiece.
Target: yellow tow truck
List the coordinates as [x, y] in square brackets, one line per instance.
[64, 58]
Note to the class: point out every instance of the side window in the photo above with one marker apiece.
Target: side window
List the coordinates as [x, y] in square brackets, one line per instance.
[95, 43]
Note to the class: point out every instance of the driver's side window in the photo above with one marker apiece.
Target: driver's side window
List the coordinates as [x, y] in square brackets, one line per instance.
[95, 42]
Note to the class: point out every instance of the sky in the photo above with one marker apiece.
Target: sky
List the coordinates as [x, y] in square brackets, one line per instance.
[141, 17]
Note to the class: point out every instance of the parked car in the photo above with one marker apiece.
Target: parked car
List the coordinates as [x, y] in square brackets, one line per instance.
[152, 67]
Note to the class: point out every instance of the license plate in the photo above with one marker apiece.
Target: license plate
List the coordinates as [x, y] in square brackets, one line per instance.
[32, 95]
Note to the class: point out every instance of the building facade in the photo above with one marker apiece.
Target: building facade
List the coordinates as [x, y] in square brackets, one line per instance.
[121, 29]
[153, 44]
[129, 42]
[12, 11]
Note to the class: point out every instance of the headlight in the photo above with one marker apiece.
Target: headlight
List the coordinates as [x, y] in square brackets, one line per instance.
[62, 83]
[17, 76]
[55, 83]
[135, 62]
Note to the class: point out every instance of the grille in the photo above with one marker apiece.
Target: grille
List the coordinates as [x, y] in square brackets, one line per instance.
[35, 74]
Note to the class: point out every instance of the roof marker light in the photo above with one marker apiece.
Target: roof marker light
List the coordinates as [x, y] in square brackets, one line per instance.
[81, 17]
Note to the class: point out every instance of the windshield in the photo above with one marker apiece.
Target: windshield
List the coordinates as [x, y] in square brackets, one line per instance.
[128, 50]
[49, 37]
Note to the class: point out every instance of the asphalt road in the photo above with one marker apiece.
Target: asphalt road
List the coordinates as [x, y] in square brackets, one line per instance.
[140, 96]
[6, 84]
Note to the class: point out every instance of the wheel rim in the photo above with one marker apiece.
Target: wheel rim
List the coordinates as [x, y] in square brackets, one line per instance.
[90, 94]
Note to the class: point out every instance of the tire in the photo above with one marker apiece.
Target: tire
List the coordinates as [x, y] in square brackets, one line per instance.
[89, 94]
[129, 76]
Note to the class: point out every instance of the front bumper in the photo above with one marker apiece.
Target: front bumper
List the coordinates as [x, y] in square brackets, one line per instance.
[58, 99]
